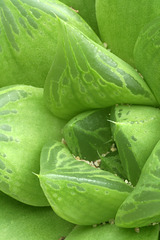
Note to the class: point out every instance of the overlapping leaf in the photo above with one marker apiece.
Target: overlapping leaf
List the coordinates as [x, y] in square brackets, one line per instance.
[76, 191]
[25, 126]
[86, 76]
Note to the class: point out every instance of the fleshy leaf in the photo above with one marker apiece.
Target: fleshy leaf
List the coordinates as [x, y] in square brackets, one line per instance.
[88, 135]
[19, 221]
[86, 9]
[136, 130]
[28, 30]
[120, 22]
[142, 206]
[112, 232]
[25, 126]
[86, 76]
[76, 191]
[111, 163]
[147, 55]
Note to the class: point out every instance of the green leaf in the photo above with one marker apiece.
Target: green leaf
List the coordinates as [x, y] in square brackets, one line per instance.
[120, 22]
[147, 55]
[25, 126]
[111, 163]
[86, 9]
[88, 135]
[28, 43]
[142, 206]
[85, 76]
[112, 232]
[76, 191]
[19, 221]
[136, 130]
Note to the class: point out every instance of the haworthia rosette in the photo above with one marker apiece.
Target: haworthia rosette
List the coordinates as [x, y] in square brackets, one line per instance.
[28, 32]
[142, 206]
[86, 76]
[76, 191]
[88, 135]
[136, 130]
[25, 126]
